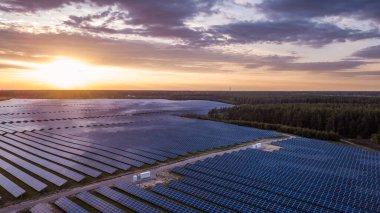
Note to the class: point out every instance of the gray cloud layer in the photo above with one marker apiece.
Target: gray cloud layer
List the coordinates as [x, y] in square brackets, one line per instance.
[369, 52]
[301, 9]
[166, 20]
[296, 31]
[289, 22]
[289, 65]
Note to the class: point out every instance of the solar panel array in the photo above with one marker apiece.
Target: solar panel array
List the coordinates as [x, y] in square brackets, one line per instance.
[305, 175]
[97, 203]
[329, 178]
[126, 201]
[48, 144]
[69, 206]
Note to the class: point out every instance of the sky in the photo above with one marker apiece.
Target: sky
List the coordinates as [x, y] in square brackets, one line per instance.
[190, 44]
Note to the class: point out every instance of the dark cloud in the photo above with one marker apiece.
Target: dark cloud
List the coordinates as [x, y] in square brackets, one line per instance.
[294, 31]
[320, 66]
[158, 18]
[150, 18]
[165, 19]
[300, 9]
[369, 52]
[34, 5]
[360, 73]
[289, 65]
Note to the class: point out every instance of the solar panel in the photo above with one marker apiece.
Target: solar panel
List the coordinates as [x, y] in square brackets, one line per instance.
[124, 156]
[24, 177]
[132, 159]
[69, 206]
[34, 169]
[154, 198]
[55, 167]
[77, 158]
[147, 154]
[78, 152]
[189, 200]
[263, 200]
[126, 201]
[305, 175]
[159, 152]
[6, 129]
[11, 187]
[214, 198]
[54, 158]
[97, 203]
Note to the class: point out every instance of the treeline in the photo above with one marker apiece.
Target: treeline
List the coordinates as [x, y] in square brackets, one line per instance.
[312, 98]
[232, 97]
[347, 120]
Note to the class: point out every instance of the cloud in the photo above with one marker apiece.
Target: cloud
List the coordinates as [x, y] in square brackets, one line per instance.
[12, 66]
[142, 55]
[300, 9]
[118, 53]
[289, 65]
[149, 18]
[360, 73]
[157, 19]
[286, 31]
[369, 52]
[293, 31]
[33, 6]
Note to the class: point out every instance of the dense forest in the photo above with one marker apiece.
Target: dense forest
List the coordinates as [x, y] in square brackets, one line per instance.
[346, 120]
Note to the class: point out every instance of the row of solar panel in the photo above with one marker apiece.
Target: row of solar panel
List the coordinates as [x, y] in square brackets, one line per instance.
[41, 152]
[268, 165]
[340, 192]
[282, 173]
[72, 117]
[233, 183]
[136, 199]
[13, 128]
[51, 151]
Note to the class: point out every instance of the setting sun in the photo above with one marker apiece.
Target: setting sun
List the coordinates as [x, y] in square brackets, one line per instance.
[66, 73]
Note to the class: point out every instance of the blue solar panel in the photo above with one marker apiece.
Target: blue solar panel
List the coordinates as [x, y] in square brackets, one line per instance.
[78, 152]
[130, 161]
[69, 206]
[98, 203]
[71, 156]
[126, 201]
[154, 199]
[66, 172]
[75, 147]
[189, 200]
[11, 187]
[33, 168]
[304, 175]
[214, 198]
[24, 177]
[54, 158]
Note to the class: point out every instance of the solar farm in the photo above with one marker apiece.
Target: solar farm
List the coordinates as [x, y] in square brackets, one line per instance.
[53, 146]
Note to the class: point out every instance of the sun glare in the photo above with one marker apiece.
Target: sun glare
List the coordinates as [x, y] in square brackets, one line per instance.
[66, 73]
